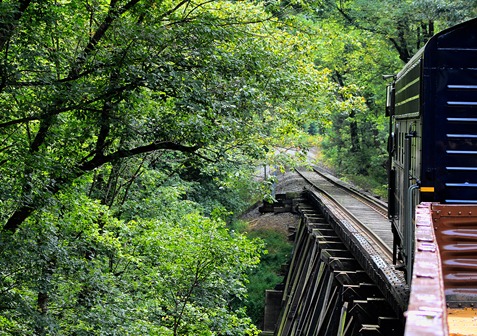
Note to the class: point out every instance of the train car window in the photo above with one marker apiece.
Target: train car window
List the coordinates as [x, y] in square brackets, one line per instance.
[398, 152]
[396, 144]
[389, 100]
[401, 146]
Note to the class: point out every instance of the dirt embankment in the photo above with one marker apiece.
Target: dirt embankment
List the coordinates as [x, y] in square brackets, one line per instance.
[287, 182]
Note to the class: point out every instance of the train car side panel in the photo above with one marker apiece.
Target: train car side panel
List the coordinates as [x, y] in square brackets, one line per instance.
[450, 115]
[405, 153]
[434, 125]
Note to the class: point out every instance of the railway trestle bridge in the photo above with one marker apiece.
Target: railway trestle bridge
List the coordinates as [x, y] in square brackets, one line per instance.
[341, 279]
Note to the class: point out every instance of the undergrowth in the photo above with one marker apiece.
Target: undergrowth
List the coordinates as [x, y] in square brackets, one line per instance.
[270, 271]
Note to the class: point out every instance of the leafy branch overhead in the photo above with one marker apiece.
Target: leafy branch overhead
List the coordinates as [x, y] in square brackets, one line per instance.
[129, 131]
[84, 84]
[130, 136]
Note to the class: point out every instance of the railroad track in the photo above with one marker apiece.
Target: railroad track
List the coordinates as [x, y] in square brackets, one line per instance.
[340, 279]
[342, 267]
[361, 222]
[335, 191]
[378, 205]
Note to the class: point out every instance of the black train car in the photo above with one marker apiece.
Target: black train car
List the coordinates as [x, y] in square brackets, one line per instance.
[432, 105]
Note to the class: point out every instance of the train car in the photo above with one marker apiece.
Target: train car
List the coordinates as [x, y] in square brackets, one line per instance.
[432, 105]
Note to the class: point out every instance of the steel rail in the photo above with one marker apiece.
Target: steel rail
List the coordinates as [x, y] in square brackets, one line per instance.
[379, 206]
[371, 252]
[355, 194]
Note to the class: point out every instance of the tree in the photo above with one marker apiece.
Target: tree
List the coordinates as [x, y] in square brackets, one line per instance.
[88, 85]
[78, 270]
[406, 25]
[358, 41]
[112, 114]
[212, 262]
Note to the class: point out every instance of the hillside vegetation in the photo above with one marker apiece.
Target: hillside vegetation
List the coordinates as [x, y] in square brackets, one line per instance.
[130, 136]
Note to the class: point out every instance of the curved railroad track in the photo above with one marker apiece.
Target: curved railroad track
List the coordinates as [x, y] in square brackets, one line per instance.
[333, 190]
[341, 279]
[362, 224]
[378, 205]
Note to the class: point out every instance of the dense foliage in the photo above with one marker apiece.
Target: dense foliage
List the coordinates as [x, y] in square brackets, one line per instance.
[128, 132]
[270, 273]
[359, 41]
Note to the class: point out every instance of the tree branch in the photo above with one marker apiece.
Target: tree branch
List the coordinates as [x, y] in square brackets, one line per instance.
[25, 210]
[100, 159]
[7, 28]
[107, 95]
[112, 15]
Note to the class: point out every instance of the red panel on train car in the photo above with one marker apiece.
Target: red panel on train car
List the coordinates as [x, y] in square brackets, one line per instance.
[456, 234]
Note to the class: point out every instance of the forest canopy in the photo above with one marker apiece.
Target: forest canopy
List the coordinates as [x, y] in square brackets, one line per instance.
[130, 130]
[89, 85]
